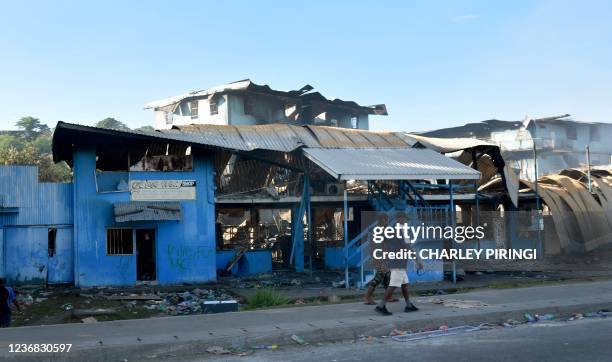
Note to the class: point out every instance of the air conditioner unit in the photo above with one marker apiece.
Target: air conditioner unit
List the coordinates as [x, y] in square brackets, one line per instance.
[334, 188]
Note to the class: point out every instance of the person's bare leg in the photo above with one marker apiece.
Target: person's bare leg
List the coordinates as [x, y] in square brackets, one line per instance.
[405, 293]
[368, 298]
[409, 306]
[382, 305]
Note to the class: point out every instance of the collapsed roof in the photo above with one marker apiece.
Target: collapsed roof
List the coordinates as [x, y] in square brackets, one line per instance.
[302, 96]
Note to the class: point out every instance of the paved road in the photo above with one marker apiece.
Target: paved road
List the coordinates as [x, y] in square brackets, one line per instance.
[185, 336]
[582, 340]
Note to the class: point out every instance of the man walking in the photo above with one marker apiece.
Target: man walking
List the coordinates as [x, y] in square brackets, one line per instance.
[398, 277]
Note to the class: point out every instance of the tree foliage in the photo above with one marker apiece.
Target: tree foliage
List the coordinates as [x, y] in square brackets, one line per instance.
[112, 123]
[32, 146]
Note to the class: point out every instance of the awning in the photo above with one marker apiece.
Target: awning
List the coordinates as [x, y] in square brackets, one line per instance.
[389, 164]
[147, 211]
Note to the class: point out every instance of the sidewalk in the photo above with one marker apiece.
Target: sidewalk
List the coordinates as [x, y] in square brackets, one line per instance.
[142, 339]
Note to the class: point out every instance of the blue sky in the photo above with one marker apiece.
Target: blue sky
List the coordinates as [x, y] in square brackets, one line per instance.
[434, 63]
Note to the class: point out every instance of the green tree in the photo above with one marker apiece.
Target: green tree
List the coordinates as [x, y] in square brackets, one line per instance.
[34, 149]
[112, 123]
[32, 127]
[145, 128]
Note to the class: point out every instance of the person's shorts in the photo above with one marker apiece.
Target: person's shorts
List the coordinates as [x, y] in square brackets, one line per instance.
[380, 277]
[398, 278]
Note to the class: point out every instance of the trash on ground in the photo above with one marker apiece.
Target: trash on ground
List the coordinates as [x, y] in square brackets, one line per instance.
[454, 303]
[89, 320]
[435, 333]
[298, 340]
[92, 312]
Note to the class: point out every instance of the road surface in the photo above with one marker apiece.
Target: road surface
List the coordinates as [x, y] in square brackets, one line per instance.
[581, 340]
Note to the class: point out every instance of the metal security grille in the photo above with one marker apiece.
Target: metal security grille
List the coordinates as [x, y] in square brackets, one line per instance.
[119, 241]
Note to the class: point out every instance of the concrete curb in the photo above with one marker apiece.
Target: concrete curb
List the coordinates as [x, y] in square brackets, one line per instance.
[342, 331]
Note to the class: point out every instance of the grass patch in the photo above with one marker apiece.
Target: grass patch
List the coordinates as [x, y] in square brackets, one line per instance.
[266, 297]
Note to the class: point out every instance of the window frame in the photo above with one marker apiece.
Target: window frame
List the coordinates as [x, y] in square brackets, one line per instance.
[132, 233]
[194, 110]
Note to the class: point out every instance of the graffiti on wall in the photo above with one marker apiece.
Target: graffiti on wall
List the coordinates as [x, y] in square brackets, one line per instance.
[184, 257]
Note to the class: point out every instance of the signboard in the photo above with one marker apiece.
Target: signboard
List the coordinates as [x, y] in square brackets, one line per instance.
[155, 190]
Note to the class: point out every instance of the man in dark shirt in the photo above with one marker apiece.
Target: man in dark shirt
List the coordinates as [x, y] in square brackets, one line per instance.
[7, 297]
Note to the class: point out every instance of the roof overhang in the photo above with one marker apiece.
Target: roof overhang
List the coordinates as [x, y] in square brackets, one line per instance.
[388, 164]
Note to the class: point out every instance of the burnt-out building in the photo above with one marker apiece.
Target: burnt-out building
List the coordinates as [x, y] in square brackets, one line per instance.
[246, 103]
[193, 202]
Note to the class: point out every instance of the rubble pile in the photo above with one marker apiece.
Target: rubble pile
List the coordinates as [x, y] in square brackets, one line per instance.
[189, 302]
[184, 302]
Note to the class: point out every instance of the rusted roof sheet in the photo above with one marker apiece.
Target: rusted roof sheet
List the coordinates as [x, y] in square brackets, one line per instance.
[334, 137]
[446, 145]
[272, 137]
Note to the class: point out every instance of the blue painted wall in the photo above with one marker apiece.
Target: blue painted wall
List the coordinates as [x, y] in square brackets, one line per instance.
[334, 258]
[253, 262]
[28, 209]
[185, 250]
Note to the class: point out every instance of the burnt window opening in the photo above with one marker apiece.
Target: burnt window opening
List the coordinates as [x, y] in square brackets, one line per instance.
[594, 134]
[193, 106]
[571, 133]
[249, 104]
[213, 103]
[144, 157]
[51, 236]
[119, 241]
[169, 117]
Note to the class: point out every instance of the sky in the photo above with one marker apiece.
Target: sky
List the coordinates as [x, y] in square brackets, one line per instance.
[433, 63]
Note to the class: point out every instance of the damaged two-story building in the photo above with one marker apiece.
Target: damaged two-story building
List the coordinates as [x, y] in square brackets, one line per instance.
[246, 103]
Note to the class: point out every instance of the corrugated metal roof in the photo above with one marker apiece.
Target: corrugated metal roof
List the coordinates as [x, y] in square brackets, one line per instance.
[388, 164]
[335, 137]
[446, 145]
[143, 211]
[272, 137]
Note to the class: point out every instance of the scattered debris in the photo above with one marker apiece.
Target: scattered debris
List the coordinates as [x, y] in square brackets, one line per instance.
[338, 284]
[272, 347]
[134, 297]
[78, 313]
[67, 307]
[218, 350]
[529, 318]
[454, 303]
[397, 332]
[298, 340]
[333, 298]
[89, 320]
[435, 333]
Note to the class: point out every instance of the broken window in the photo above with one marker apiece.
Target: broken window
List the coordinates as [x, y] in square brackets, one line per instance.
[169, 117]
[51, 235]
[213, 104]
[249, 104]
[594, 134]
[193, 105]
[571, 133]
[119, 241]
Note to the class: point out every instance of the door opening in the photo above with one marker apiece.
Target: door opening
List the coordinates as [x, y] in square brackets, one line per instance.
[145, 255]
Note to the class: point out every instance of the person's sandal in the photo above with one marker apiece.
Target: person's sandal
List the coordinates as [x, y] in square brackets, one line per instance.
[410, 308]
[383, 310]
